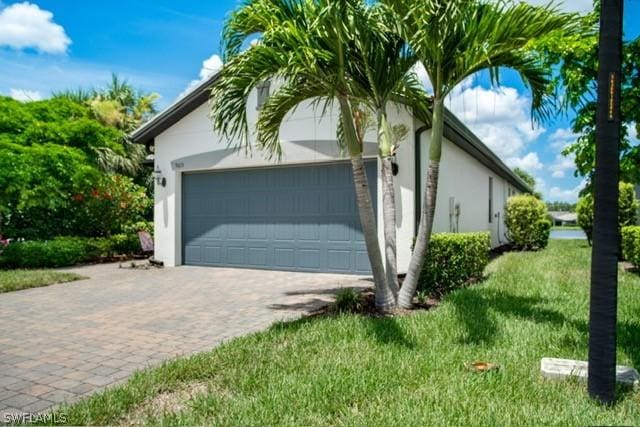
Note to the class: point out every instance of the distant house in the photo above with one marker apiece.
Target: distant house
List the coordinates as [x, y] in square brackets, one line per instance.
[563, 218]
[218, 207]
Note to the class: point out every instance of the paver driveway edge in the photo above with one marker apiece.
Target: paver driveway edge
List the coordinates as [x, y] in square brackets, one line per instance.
[63, 342]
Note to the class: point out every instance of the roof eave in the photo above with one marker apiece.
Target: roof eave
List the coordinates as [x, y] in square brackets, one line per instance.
[174, 113]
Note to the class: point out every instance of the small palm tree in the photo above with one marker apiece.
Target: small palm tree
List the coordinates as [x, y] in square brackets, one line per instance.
[455, 39]
[330, 52]
[380, 70]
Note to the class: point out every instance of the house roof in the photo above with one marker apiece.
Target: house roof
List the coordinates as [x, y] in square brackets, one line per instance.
[563, 216]
[454, 131]
[174, 112]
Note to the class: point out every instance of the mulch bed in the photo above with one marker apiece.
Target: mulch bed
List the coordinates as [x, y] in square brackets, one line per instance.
[368, 307]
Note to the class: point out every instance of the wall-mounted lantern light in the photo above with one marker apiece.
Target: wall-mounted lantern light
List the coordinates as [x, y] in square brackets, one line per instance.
[160, 180]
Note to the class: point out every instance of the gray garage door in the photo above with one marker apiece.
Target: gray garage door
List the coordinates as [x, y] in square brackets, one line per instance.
[283, 218]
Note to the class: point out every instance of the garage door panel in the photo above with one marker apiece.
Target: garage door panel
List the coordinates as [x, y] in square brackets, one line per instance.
[289, 218]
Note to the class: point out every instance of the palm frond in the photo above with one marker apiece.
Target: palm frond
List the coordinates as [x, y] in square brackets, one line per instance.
[457, 38]
[278, 105]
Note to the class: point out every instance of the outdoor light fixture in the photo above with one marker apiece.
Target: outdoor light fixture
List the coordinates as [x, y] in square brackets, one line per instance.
[160, 180]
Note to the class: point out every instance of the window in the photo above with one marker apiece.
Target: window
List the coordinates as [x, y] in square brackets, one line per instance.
[490, 199]
[263, 94]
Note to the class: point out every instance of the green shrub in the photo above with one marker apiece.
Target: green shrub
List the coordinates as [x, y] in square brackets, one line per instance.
[66, 251]
[631, 244]
[526, 222]
[58, 252]
[133, 228]
[454, 259]
[627, 209]
[584, 210]
[347, 300]
[125, 244]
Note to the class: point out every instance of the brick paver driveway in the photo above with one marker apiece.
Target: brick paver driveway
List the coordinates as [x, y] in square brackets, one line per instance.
[61, 342]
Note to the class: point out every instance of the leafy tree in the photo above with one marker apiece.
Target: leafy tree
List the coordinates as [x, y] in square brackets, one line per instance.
[342, 53]
[529, 180]
[113, 204]
[575, 59]
[561, 206]
[455, 39]
[526, 177]
[627, 209]
[37, 183]
[52, 152]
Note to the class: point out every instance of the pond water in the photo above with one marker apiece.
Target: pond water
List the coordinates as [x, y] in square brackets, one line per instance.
[567, 234]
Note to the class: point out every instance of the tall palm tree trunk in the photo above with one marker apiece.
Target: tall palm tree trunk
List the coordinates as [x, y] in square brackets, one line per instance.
[604, 258]
[384, 298]
[423, 237]
[388, 202]
[389, 219]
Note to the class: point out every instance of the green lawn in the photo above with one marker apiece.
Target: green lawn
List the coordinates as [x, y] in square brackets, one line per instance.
[352, 370]
[14, 280]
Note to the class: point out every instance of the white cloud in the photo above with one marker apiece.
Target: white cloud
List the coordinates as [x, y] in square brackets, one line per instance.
[500, 117]
[25, 25]
[563, 195]
[530, 162]
[567, 5]
[561, 165]
[210, 66]
[25, 95]
[561, 138]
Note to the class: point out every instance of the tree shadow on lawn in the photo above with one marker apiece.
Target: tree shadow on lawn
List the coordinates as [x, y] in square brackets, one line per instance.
[474, 309]
[312, 304]
[385, 330]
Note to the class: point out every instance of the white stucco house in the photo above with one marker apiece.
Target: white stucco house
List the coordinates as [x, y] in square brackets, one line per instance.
[218, 207]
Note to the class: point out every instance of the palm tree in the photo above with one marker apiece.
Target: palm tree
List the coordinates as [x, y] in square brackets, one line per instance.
[455, 39]
[320, 51]
[380, 70]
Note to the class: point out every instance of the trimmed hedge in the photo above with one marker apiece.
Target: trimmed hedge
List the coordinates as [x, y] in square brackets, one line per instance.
[453, 259]
[67, 251]
[526, 222]
[631, 244]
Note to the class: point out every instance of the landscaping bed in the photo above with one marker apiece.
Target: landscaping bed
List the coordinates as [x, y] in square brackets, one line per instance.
[350, 369]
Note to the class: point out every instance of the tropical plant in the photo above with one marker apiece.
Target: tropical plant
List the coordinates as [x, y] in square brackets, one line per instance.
[627, 209]
[332, 53]
[50, 152]
[380, 73]
[574, 60]
[453, 40]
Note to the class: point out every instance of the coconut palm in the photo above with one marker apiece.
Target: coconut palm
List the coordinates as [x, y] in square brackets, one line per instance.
[455, 39]
[313, 48]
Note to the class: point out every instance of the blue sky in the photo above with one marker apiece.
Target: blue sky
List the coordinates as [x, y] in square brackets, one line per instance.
[164, 46]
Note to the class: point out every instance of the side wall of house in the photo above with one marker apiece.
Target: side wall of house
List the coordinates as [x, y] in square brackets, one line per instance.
[463, 193]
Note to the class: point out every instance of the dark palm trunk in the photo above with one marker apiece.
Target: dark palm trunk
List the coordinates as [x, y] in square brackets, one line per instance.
[604, 265]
